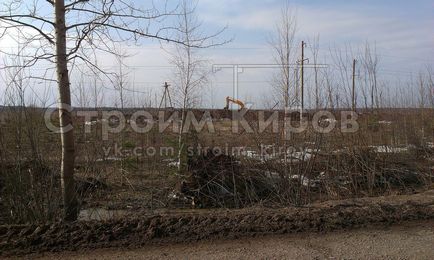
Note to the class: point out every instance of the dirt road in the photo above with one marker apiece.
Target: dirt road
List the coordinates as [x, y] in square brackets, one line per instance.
[412, 240]
[206, 233]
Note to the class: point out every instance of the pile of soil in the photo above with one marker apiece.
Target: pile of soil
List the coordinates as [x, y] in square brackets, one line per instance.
[218, 180]
[198, 225]
[222, 181]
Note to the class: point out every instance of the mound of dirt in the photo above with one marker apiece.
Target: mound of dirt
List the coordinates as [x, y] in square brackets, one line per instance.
[221, 181]
[198, 225]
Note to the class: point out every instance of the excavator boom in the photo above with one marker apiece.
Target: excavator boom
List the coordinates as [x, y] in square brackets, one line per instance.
[235, 101]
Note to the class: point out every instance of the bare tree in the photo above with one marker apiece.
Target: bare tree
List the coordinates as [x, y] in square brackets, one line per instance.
[82, 99]
[342, 59]
[422, 90]
[430, 85]
[365, 86]
[121, 78]
[282, 44]
[88, 91]
[329, 81]
[190, 75]
[15, 94]
[315, 53]
[75, 30]
[97, 93]
[370, 64]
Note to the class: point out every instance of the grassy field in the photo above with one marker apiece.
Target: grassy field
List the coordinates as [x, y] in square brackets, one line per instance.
[391, 153]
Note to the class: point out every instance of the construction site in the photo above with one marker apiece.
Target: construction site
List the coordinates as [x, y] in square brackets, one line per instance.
[148, 131]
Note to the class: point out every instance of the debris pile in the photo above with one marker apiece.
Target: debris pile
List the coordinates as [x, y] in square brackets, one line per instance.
[221, 181]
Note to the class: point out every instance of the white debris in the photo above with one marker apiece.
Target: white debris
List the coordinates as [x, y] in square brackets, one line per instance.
[383, 122]
[251, 154]
[330, 120]
[256, 156]
[173, 164]
[304, 155]
[339, 151]
[90, 123]
[109, 159]
[274, 177]
[389, 149]
[174, 195]
[305, 181]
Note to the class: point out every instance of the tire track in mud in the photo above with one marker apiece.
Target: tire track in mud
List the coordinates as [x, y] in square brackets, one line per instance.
[188, 227]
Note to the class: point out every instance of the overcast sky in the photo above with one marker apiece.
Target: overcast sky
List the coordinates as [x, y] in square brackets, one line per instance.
[402, 30]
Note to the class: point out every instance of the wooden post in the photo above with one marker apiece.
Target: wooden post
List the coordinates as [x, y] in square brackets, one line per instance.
[354, 86]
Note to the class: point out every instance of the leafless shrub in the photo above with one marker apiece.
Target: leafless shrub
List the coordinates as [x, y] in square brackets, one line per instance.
[30, 192]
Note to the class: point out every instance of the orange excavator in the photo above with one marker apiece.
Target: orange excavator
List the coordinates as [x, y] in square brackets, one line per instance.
[235, 101]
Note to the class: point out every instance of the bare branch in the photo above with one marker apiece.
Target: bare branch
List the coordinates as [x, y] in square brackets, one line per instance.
[75, 3]
[24, 24]
[30, 16]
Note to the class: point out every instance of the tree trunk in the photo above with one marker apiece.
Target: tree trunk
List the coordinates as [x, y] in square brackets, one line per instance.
[67, 137]
[181, 141]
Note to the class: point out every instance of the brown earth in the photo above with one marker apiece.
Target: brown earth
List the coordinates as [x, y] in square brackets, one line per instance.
[409, 240]
[218, 224]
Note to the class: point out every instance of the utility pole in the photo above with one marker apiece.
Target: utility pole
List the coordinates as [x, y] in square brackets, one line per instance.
[303, 44]
[354, 86]
[166, 95]
[302, 76]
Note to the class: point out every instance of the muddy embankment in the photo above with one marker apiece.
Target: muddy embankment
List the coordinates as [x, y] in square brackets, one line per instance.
[199, 225]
